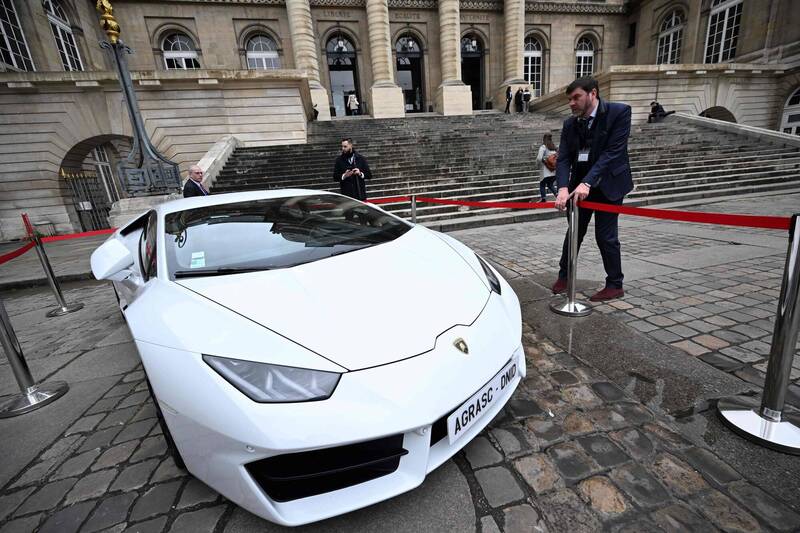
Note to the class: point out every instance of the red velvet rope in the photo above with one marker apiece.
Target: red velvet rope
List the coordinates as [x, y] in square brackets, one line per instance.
[720, 219]
[16, 253]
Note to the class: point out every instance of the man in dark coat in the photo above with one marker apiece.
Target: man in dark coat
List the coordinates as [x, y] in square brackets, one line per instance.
[194, 185]
[657, 112]
[350, 171]
[593, 165]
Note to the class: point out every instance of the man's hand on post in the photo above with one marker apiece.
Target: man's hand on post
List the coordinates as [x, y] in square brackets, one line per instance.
[581, 192]
[561, 199]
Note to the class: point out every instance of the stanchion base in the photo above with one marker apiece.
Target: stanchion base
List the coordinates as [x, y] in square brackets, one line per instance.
[562, 306]
[37, 396]
[740, 414]
[58, 311]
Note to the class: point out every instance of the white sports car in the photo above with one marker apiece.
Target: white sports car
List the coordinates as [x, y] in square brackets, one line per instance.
[310, 354]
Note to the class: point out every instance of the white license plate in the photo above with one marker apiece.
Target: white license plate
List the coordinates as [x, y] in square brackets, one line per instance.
[476, 407]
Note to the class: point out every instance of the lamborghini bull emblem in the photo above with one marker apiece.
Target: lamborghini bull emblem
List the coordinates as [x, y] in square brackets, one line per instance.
[461, 345]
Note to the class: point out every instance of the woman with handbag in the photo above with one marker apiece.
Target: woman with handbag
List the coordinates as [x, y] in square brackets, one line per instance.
[548, 154]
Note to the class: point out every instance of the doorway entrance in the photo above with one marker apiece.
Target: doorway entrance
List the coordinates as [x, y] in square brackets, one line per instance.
[343, 70]
[472, 67]
[409, 73]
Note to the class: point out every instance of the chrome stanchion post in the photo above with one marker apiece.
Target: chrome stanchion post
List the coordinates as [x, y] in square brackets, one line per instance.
[414, 208]
[32, 396]
[570, 307]
[63, 308]
[767, 423]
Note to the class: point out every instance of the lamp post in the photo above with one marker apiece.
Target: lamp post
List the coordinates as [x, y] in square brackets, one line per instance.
[145, 171]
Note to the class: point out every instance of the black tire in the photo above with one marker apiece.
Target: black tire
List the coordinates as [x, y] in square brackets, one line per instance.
[173, 450]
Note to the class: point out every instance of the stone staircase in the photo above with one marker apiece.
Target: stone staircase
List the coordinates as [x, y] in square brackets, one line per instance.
[490, 156]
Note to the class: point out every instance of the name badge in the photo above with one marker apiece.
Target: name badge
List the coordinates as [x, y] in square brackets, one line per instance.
[583, 156]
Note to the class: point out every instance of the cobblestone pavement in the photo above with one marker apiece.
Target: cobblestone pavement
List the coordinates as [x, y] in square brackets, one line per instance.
[709, 291]
[572, 451]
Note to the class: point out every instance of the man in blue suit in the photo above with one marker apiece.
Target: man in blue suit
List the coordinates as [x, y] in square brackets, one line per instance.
[593, 165]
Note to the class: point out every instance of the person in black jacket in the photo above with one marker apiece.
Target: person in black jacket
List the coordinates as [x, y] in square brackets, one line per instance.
[350, 170]
[657, 112]
[593, 165]
[518, 100]
[509, 97]
[194, 185]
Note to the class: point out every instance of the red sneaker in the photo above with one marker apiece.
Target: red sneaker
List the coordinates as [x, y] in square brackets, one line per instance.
[609, 293]
[559, 286]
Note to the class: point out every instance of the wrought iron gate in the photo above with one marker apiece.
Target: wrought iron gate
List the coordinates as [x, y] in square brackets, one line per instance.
[90, 199]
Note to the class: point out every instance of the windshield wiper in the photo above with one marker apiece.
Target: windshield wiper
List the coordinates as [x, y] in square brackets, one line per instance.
[216, 272]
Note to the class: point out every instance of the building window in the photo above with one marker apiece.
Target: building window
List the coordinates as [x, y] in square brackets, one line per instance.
[723, 30]
[790, 122]
[532, 65]
[62, 31]
[584, 58]
[179, 52]
[14, 50]
[631, 35]
[669, 39]
[262, 53]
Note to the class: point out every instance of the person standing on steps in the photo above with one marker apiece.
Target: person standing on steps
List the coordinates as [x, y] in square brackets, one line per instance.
[350, 170]
[352, 104]
[593, 165]
[509, 97]
[547, 159]
[518, 100]
[526, 100]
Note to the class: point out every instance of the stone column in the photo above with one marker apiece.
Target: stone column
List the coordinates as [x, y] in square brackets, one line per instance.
[452, 96]
[513, 45]
[386, 97]
[304, 45]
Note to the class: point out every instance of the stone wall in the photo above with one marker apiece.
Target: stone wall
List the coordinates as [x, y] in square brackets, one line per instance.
[52, 120]
[755, 96]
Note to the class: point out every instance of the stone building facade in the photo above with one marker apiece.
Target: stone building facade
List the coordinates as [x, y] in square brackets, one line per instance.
[257, 70]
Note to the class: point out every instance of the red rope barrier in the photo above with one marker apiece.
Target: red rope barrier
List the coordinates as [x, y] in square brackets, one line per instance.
[5, 258]
[55, 238]
[721, 219]
[16, 253]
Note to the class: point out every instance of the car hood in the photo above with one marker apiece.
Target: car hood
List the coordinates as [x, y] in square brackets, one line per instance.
[362, 309]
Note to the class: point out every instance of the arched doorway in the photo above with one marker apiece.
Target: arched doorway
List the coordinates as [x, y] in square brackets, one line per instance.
[409, 73]
[472, 51]
[719, 113]
[87, 170]
[790, 121]
[343, 70]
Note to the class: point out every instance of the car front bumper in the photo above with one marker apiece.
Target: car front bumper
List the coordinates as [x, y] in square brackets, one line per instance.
[221, 434]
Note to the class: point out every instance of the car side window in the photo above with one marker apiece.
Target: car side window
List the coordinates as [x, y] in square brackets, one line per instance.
[147, 248]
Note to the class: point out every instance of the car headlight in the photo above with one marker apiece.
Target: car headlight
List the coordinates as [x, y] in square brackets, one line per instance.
[265, 383]
[494, 283]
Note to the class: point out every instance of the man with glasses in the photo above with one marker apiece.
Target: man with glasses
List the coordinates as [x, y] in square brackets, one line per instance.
[194, 185]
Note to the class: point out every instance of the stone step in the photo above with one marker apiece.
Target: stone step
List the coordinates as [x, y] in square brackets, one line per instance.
[481, 157]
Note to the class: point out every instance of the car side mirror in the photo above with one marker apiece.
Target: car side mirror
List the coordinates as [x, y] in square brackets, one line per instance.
[112, 261]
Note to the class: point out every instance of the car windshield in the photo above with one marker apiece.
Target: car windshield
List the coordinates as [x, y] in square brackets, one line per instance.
[272, 233]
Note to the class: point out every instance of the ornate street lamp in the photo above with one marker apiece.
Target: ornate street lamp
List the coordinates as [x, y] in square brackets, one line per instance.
[145, 171]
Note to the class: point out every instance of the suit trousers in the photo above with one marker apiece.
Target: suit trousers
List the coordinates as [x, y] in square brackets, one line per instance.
[606, 233]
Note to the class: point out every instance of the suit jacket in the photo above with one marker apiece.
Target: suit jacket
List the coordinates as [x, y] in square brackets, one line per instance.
[191, 188]
[352, 186]
[609, 166]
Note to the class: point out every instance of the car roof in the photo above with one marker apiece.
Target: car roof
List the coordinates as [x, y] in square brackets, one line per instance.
[230, 198]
